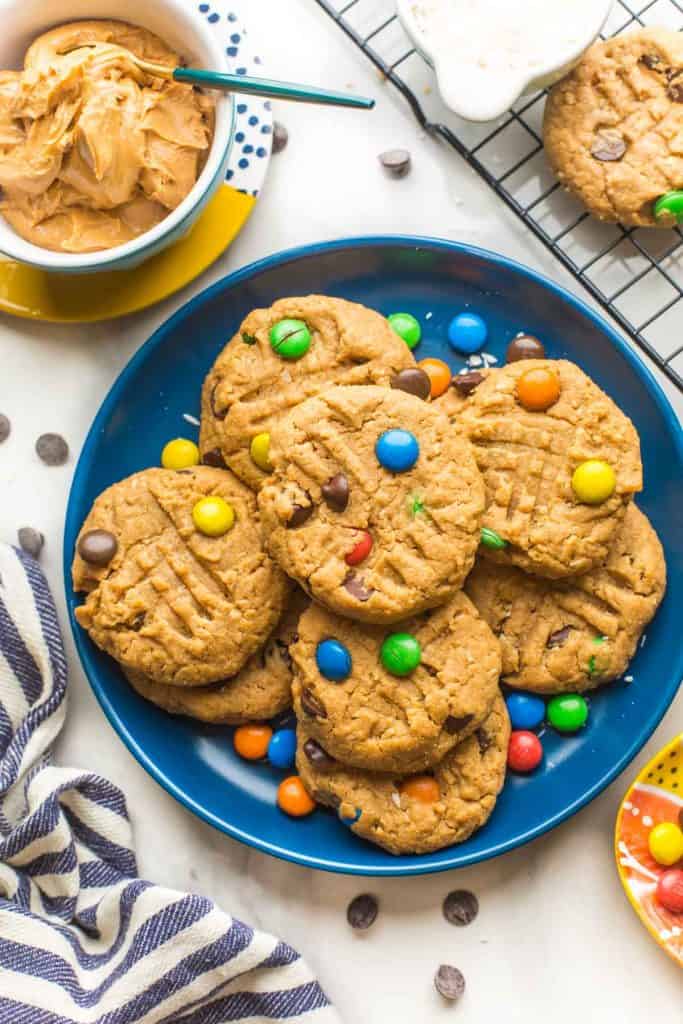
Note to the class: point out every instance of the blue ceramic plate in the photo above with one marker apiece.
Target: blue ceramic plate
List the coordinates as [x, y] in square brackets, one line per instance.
[433, 280]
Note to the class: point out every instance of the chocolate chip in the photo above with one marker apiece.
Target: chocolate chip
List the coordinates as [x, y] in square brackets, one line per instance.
[650, 60]
[449, 982]
[318, 757]
[5, 428]
[362, 912]
[453, 725]
[484, 740]
[675, 92]
[280, 136]
[414, 381]
[214, 458]
[396, 162]
[311, 705]
[300, 513]
[466, 383]
[557, 638]
[608, 146]
[220, 414]
[138, 622]
[248, 339]
[97, 547]
[31, 541]
[355, 586]
[336, 492]
[524, 346]
[52, 449]
[460, 907]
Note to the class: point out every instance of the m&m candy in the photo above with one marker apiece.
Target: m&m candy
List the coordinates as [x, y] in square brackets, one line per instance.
[293, 799]
[525, 752]
[593, 482]
[213, 516]
[397, 450]
[251, 741]
[669, 207]
[350, 819]
[361, 549]
[290, 339]
[492, 540]
[282, 748]
[669, 891]
[467, 333]
[525, 710]
[524, 346]
[407, 327]
[180, 454]
[665, 842]
[568, 712]
[400, 654]
[333, 660]
[424, 788]
[439, 374]
[259, 449]
[538, 389]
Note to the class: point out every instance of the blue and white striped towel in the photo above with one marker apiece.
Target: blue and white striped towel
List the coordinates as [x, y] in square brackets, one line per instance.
[83, 940]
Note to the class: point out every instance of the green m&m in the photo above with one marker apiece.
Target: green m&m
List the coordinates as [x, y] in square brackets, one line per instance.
[567, 712]
[400, 654]
[670, 207]
[290, 339]
[491, 539]
[407, 327]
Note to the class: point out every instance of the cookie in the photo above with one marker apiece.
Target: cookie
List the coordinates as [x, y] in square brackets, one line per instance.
[374, 504]
[379, 721]
[260, 691]
[613, 126]
[528, 460]
[166, 600]
[260, 375]
[466, 784]
[576, 634]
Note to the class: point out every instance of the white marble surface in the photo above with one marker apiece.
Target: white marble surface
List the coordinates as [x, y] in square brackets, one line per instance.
[555, 937]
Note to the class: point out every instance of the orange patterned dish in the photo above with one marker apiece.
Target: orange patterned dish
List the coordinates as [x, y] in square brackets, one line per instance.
[655, 797]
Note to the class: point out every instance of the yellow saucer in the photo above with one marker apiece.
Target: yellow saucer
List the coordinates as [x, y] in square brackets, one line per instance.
[84, 298]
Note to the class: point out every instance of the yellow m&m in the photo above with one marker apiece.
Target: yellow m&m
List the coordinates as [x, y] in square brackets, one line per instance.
[213, 516]
[593, 482]
[180, 454]
[666, 843]
[259, 449]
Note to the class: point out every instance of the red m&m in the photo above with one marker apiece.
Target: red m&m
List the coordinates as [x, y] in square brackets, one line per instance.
[525, 752]
[360, 551]
[670, 891]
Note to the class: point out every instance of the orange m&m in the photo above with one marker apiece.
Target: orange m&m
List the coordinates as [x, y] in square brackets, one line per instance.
[251, 741]
[293, 799]
[538, 389]
[424, 788]
[439, 374]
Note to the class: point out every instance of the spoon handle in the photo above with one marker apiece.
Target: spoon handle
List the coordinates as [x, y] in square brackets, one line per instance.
[275, 90]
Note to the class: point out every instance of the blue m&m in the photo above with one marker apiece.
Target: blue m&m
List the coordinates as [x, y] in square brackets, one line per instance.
[397, 450]
[525, 710]
[333, 660]
[467, 333]
[282, 748]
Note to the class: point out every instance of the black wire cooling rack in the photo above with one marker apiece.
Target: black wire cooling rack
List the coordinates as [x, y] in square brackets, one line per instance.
[635, 274]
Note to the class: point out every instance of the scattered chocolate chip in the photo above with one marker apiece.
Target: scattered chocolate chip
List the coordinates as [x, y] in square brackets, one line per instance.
[318, 757]
[608, 146]
[466, 383]
[557, 638]
[52, 449]
[336, 492]
[449, 982]
[5, 428]
[675, 92]
[524, 346]
[248, 339]
[300, 513]
[311, 705]
[396, 162]
[650, 60]
[280, 136]
[355, 586]
[138, 622]
[484, 740]
[97, 547]
[414, 381]
[453, 725]
[220, 414]
[460, 907]
[31, 541]
[214, 458]
[362, 912]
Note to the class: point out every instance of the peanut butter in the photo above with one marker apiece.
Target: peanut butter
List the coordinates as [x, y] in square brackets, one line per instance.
[94, 151]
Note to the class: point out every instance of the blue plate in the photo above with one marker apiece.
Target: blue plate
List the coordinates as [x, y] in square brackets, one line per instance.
[433, 280]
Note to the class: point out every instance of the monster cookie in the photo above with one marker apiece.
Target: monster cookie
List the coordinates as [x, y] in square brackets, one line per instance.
[260, 690]
[281, 356]
[374, 505]
[417, 814]
[178, 584]
[613, 126]
[574, 634]
[395, 701]
[560, 462]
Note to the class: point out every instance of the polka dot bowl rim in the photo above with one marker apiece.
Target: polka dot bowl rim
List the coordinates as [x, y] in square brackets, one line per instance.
[431, 277]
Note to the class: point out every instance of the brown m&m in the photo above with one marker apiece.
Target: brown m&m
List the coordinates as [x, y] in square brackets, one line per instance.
[97, 547]
[413, 381]
[524, 346]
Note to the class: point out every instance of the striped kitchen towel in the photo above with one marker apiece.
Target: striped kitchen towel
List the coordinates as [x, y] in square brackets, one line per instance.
[83, 940]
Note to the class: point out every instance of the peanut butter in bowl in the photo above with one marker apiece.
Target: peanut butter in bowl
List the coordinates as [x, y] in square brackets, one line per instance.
[94, 151]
